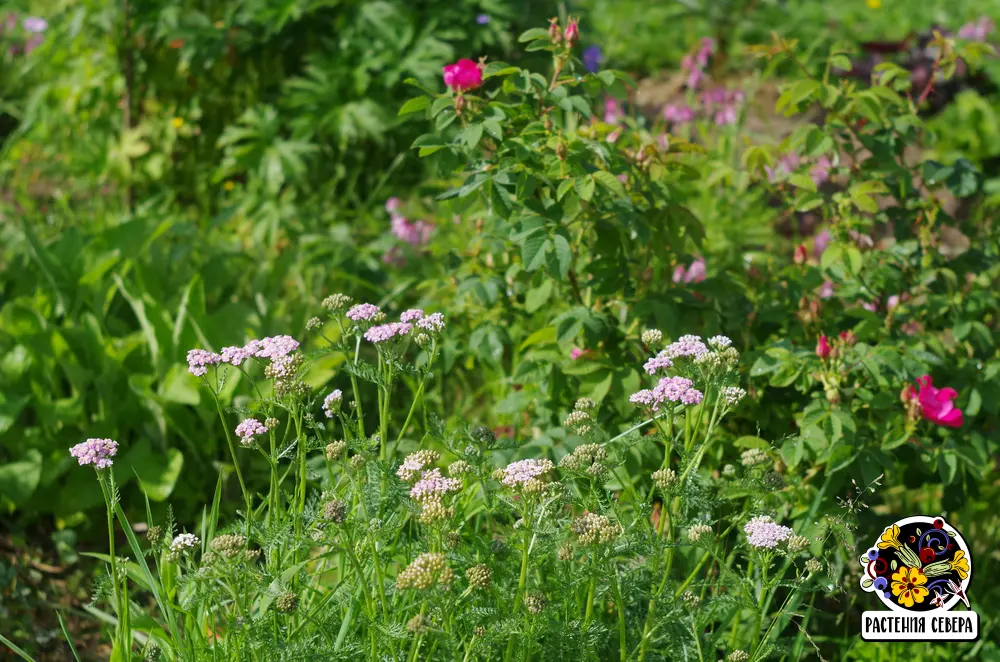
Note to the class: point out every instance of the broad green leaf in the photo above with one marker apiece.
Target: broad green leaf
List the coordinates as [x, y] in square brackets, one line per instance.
[18, 480]
[415, 105]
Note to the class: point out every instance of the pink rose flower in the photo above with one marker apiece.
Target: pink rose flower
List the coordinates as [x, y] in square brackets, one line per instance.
[463, 75]
[572, 32]
[936, 405]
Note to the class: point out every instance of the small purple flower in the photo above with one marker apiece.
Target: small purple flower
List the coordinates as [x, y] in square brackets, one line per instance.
[34, 24]
[411, 315]
[826, 289]
[483, 19]
[872, 554]
[363, 312]
[249, 429]
[415, 233]
[820, 172]
[880, 583]
[199, 359]
[97, 452]
[592, 58]
[820, 242]
[392, 205]
[786, 165]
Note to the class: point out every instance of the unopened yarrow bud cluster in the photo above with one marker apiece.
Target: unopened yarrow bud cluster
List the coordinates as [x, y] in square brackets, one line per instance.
[335, 449]
[665, 479]
[594, 529]
[698, 531]
[427, 570]
[229, 545]
[652, 337]
[753, 457]
[479, 576]
[585, 457]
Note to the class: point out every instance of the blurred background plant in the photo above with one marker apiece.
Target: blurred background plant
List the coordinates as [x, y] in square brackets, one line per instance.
[179, 175]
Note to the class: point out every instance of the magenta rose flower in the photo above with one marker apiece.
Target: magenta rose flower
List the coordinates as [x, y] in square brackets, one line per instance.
[463, 75]
[937, 405]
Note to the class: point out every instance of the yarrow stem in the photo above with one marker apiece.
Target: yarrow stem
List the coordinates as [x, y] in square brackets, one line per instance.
[236, 461]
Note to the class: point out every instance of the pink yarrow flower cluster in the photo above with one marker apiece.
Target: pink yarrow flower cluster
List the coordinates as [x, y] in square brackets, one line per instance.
[518, 474]
[272, 347]
[764, 533]
[433, 486]
[97, 452]
[385, 332]
[685, 346]
[669, 389]
[248, 429]
[363, 312]
[411, 315]
[657, 363]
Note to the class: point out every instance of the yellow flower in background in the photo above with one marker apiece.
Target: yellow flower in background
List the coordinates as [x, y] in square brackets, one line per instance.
[874, 4]
[890, 538]
[229, 185]
[178, 122]
[908, 586]
[960, 564]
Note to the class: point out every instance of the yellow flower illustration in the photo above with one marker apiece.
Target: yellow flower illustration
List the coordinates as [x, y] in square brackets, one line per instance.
[960, 564]
[908, 586]
[890, 538]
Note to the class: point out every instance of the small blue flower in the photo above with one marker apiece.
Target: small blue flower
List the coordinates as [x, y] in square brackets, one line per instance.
[483, 19]
[888, 595]
[880, 583]
[592, 58]
[872, 554]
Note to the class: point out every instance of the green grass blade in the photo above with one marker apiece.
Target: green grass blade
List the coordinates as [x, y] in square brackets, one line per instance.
[69, 640]
[10, 644]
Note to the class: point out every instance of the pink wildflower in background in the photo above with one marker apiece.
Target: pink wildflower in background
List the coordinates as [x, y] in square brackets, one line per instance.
[977, 30]
[612, 110]
[34, 24]
[820, 242]
[393, 204]
[892, 302]
[693, 274]
[576, 353]
[820, 172]
[937, 405]
[678, 114]
[786, 165]
[825, 290]
[415, 233]
[97, 452]
[462, 76]
[394, 257]
[248, 429]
